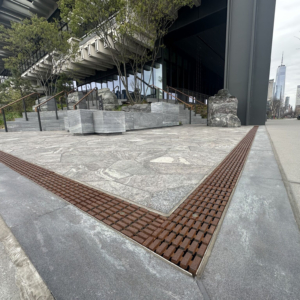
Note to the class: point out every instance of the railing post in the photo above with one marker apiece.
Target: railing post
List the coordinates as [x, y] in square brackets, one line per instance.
[190, 109]
[55, 104]
[39, 118]
[4, 120]
[66, 97]
[97, 99]
[168, 91]
[24, 107]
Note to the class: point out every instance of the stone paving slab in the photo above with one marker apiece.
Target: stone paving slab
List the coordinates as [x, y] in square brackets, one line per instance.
[285, 136]
[80, 258]
[143, 166]
[256, 254]
[181, 238]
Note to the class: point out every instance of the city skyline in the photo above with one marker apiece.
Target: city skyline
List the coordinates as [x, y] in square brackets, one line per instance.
[287, 29]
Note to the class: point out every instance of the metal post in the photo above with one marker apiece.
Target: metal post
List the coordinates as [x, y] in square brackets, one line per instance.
[66, 97]
[168, 91]
[24, 107]
[88, 102]
[39, 118]
[190, 115]
[56, 109]
[4, 120]
[97, 99]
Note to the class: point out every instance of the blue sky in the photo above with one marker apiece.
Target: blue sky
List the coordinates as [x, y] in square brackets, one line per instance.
[286, 28]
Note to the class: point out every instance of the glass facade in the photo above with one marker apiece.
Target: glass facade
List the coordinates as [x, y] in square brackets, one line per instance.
[279, 89]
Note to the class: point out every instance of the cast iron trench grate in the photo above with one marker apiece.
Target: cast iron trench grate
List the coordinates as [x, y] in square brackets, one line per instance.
[181, 238]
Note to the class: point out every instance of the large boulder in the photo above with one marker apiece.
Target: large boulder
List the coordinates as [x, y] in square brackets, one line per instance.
[222, 110]
[49, 106]
[73, 98]
[110, 101]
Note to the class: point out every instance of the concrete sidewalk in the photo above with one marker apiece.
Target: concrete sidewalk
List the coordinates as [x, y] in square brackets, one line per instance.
[256, 254]
[285, 137]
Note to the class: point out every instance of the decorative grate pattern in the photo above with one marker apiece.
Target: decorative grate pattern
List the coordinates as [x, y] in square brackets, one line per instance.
[181, 238]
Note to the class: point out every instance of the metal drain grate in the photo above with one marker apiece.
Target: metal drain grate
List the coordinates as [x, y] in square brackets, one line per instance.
[181, 238]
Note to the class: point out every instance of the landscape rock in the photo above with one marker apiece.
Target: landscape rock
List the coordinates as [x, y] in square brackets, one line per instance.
[110, 101]
[222, 110]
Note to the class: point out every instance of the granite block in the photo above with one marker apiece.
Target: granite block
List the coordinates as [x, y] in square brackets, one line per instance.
[170, 119]
[81, 121]
[129, 122]
[164, 108]
[66, 122]
[145, 120]
[109, 121]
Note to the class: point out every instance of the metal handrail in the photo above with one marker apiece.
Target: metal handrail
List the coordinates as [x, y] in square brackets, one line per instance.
[193, 98]
[187, 104]
[94, 89]
[18, 100]
[2, 109]
[155, 87]
[38, 106]
[66, 94]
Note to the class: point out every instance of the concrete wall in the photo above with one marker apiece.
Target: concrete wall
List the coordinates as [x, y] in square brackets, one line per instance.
[248, 52]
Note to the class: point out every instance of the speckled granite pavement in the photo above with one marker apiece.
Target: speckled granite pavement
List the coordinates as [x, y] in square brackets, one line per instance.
[153, 168]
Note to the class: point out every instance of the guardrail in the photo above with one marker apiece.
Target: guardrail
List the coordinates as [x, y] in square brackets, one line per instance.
[99, 101]
[23, 99]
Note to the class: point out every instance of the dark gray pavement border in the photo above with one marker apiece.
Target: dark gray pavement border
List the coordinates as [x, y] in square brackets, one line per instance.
[256, 254]
[285, 139]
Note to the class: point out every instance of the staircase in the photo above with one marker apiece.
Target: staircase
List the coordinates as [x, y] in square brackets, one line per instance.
[48, 121]
[184, 112]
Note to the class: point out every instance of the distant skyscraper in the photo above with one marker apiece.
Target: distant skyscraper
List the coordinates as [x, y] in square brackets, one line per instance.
[287, 102]
[280, 83]
[298, 96]
[270, 89]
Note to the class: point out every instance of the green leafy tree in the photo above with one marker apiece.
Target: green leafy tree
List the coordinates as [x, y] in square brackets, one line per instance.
[24, 39]
[130, 32]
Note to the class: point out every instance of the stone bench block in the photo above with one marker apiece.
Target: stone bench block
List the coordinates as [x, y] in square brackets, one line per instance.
[81, 121]
[129, 122]
[66, 122]
[170, 119]
[146, 120]
[109, 121]
[165, 108]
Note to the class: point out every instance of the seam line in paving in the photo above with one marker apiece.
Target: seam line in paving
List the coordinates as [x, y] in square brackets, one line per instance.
[181, 238]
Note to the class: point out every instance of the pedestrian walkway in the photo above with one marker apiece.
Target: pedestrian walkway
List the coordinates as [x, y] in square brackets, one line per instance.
[254, 255]
[285, 137]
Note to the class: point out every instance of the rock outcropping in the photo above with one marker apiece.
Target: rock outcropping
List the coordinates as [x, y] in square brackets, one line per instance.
[110, 101]
[222, 110]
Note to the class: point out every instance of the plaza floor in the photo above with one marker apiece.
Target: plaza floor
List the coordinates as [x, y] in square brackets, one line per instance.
[156, 168]
[253, 255]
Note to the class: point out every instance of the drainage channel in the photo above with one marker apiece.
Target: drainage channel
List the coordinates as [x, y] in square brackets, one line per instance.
[183, 237]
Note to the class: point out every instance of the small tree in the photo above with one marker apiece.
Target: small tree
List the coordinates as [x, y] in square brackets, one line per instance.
[24, 39]
[131, 31]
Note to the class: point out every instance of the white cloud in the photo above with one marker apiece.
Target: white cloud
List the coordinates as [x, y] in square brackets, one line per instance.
[287, 26]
